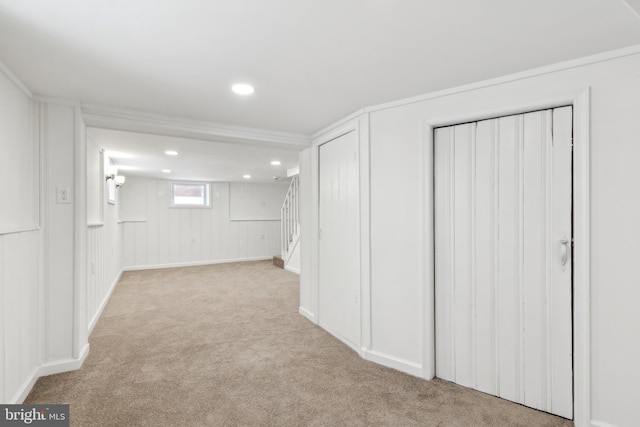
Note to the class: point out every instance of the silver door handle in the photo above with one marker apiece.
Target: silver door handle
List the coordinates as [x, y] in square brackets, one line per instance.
[563, 251]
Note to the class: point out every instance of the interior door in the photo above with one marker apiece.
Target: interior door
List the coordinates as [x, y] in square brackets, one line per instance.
[503, 257]
[339, 240]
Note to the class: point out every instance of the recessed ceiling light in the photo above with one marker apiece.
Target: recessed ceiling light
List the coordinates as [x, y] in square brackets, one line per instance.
[242, 89]
[166, 170]
[171, 153]
[275, 162]
[246, 176]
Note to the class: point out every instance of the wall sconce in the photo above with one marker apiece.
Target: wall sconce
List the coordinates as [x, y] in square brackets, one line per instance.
[112, 174]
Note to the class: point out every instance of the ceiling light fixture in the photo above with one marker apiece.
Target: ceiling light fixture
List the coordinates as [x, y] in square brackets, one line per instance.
[171, 153]
[246, 176]
[166, 170]
[275, 162]
[242, 89]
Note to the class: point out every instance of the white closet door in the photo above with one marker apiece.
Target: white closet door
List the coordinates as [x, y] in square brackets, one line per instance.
[503, 257]
[339, 251]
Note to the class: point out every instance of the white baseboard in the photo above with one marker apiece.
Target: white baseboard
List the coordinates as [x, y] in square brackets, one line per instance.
[193, 263]
[291, 269]
[306, 313]
[596, 423]
[25, 389]
[393, 362]
[50, 368]
[66, 365]
[103, 304]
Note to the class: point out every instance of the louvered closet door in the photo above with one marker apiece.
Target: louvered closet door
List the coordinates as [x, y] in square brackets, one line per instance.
[503, 257]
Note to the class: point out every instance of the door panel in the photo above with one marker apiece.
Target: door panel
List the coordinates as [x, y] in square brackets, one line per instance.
[339, 257]
[503, 273]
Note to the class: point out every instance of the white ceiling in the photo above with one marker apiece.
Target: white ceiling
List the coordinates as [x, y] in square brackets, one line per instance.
[312, 62]
[138, 154]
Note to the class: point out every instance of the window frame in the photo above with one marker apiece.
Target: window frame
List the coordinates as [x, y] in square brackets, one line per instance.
[207, 189]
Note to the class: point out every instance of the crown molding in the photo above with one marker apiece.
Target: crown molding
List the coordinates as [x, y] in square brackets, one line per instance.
[534, 72]
[15, 80]
[136, 121]
[634, 5]
[56, 100]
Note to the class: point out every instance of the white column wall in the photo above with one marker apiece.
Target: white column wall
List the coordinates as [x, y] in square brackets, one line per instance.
[42, 301]
[615, 233]
[20, 242]
[306, 234]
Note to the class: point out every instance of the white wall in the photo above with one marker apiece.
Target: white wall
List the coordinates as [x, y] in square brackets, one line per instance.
[38, 274]
[20, 242]
[305, 207]
[256, 202]
[399, 328]
[43, 327]
[59, 231]
[615, 211]
[162, 236]
[104, 248]
[19, 167]
[95, 183]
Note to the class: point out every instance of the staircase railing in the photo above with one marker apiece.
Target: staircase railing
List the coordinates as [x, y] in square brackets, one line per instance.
[290, 221]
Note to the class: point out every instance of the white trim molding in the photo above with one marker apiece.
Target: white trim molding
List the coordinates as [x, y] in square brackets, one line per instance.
[193, 263]
[46, 369]
[402, 365]
[103, 304]
[306, 313]
[539, 71]
[634, 5]
[293, 270]
[15, 80]
[581, 207]
[596, 423]
[136, 121]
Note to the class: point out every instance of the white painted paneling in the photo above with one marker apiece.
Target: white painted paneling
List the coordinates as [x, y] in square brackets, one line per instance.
[615, 248]
[133, 202]
[339, 245]
[306, 233]
[59, 122]
[520, 332]
[172, 236]
[485, 261]
[559, 370]
[20, 243]
[95, 182]
[3, 365]
[256, 202]
[18, 162]
[19, 289]
[104, 263]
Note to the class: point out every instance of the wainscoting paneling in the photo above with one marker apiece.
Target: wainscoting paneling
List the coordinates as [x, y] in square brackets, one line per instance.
[19, 303]
[103, 268]
[172, 236]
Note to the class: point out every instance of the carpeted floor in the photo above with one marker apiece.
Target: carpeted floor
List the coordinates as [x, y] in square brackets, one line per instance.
[224, 345]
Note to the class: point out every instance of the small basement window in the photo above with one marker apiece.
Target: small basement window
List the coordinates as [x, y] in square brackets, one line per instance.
[190, 195]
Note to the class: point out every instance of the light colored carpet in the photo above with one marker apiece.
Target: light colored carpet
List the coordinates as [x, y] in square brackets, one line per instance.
[224, 345]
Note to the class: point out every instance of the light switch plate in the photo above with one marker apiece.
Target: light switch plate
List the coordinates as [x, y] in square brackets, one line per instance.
[63, 195]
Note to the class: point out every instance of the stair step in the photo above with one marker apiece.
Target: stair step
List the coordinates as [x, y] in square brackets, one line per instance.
[278, 261]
